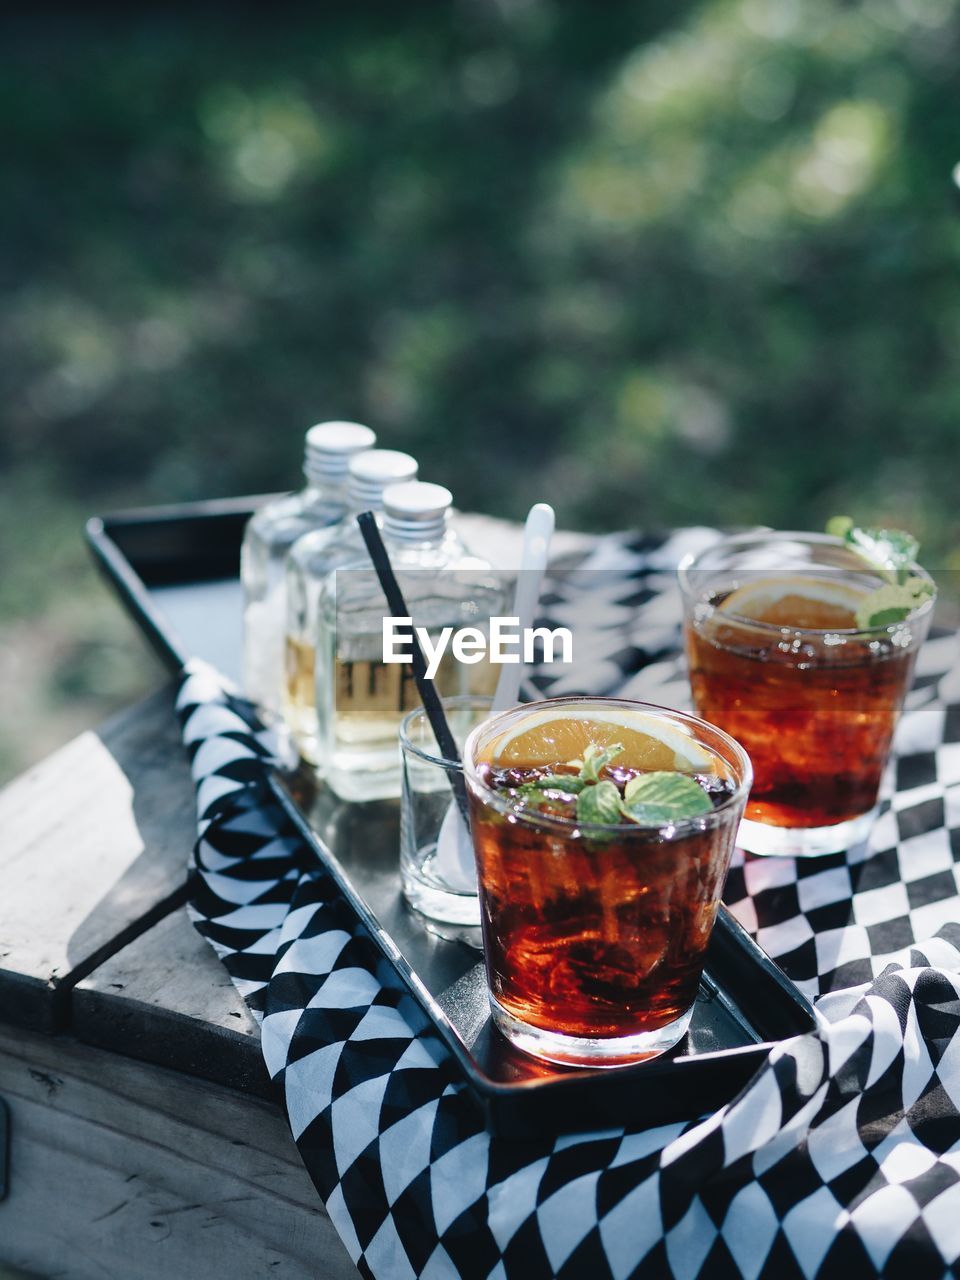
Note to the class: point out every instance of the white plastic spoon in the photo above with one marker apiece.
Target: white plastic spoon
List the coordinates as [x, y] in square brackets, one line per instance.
[455, 864]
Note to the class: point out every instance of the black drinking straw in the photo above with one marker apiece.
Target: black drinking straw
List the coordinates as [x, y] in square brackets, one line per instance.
[428, 693]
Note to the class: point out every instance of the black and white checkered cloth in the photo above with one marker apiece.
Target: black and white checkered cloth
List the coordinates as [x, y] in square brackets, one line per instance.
[840, 1158]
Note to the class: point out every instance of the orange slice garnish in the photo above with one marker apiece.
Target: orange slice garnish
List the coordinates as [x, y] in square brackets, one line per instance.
[555, 736]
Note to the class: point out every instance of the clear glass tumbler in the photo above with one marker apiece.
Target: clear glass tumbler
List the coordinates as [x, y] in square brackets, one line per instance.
[813, 698]
[435, 881]
[595, 933]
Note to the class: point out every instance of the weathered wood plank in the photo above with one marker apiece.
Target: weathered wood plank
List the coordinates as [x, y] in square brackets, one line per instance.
[92, 842]
[122, 1169]
[165, 997]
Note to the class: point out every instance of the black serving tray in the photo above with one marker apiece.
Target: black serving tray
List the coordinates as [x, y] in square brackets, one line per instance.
[176, 571]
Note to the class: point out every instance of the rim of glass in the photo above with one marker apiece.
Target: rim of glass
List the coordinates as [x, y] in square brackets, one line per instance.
[568, 826]
[456, 702]
[689, 564]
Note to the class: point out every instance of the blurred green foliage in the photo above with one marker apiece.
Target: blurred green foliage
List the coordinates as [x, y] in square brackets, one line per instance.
[659, 263]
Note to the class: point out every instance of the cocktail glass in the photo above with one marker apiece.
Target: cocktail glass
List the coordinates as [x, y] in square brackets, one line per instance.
[595, 934]
[777, 660]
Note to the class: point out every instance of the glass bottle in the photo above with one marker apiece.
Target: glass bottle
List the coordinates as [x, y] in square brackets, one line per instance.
[360, 699]
[268, 537]
[311, 559]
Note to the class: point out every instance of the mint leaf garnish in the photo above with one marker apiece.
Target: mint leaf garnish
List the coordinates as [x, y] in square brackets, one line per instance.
[599, 804]
[568, 782]
[889, 549]
[893, 603]
[652, 798]
[887, 617]
[529, 796]
[595, 759]
[893, 551]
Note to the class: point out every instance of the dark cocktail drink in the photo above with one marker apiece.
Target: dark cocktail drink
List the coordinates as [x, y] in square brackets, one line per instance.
[778, 659]
[603, 831]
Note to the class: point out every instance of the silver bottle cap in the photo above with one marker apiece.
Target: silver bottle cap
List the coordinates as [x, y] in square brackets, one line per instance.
[415, 512]
[331, 445]
[375, 470]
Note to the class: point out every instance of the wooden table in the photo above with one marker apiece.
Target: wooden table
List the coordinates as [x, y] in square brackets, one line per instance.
[144, 1140]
